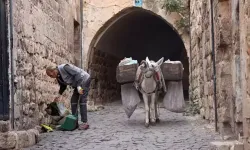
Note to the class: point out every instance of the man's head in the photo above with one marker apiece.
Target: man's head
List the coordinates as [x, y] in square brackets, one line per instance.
[52, 71]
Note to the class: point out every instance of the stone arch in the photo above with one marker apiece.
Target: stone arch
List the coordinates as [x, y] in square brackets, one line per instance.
[125, 12]
[103, 77]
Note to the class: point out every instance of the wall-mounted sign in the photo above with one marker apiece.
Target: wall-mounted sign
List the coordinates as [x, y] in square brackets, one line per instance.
[138, 3]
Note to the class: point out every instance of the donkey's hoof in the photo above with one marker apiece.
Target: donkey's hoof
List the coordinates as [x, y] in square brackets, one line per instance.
[146, 125]
[157, 120]
[153, 123]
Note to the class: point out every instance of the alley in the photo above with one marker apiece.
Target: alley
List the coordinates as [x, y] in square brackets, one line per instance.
[111, 130]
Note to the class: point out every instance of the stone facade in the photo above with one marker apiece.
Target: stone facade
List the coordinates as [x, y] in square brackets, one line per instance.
[244, 18]
[45, 33]
[228, 63]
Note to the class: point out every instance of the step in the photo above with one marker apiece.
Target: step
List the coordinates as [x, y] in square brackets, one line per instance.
[227, 145]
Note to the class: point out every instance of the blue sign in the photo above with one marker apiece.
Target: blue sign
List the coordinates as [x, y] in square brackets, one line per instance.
[138, 3]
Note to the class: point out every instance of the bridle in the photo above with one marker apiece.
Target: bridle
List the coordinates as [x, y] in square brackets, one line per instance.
[145, 69]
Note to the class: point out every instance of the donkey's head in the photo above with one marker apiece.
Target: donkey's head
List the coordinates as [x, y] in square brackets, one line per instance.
[150, 67]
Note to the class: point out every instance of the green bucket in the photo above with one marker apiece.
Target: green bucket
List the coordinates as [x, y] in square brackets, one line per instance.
[70, 123]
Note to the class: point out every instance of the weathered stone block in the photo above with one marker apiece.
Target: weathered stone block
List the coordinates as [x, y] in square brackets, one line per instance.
[226, 69]
[8, 140]
[33, 136]
[202, 112]
[210, 88]
[237, 146]
[210, 101]
[4, 126]
[228, 145]
[221, 146]
[26, 109]
[207, 113]
[226, 84]
[206, 89]
[223, 114]
[209, 74]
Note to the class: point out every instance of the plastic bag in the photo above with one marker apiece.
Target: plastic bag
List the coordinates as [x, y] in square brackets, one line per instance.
[62, 110]
[127, 61]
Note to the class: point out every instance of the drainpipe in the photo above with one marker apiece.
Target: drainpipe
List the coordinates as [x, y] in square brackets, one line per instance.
[81, 36]
[214, 63]
[190, 52]
[12, 62]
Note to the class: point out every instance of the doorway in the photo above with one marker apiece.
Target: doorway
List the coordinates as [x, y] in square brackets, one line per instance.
[4, 63]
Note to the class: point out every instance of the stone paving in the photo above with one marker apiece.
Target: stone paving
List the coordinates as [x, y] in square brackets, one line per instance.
[112, 130]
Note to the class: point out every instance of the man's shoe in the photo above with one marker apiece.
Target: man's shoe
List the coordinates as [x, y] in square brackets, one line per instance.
[83, 126]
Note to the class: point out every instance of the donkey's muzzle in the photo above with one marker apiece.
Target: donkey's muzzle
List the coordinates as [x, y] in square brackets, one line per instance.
[149, 74]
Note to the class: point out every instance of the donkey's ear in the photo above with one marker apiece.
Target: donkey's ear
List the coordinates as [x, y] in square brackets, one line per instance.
[159, 62]
[147, 60]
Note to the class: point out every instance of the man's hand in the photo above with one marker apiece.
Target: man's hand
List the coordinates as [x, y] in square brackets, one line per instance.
[80, 90]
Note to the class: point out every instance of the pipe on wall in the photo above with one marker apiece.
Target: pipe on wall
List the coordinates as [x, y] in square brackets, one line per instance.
[81, 33]
[12, 92]
[190, 54]
[214, 64]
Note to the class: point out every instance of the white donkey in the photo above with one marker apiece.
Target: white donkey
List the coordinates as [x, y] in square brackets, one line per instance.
[149, 80]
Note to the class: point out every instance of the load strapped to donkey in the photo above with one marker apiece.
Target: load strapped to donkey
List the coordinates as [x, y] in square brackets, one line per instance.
[168, 78]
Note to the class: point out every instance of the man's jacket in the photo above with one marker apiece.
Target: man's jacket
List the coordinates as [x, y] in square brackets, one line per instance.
[71, 75]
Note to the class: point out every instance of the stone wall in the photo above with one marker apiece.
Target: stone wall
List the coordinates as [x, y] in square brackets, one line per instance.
[245, 70]
[236, 67]
[200, 58]
[227, 64]
[43, 35]
[104, 87]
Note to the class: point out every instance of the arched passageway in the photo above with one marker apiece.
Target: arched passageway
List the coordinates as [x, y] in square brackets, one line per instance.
[137, 34]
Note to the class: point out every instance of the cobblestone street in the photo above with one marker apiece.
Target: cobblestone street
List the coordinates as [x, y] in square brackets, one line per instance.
[111, 130]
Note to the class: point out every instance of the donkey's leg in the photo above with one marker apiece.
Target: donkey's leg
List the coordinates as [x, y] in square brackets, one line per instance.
[152, 109]
[145, 99]
[156, 108]
[157, 111]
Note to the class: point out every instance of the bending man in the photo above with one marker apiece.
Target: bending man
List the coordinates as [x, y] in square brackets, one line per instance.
[67, 74]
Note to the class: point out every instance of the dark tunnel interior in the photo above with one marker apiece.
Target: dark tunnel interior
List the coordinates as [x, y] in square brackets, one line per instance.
[140, 34]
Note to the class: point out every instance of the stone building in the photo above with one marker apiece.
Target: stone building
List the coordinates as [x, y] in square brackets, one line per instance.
[48, 33]
[231, 33]
[44, 33]
[227, 63]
